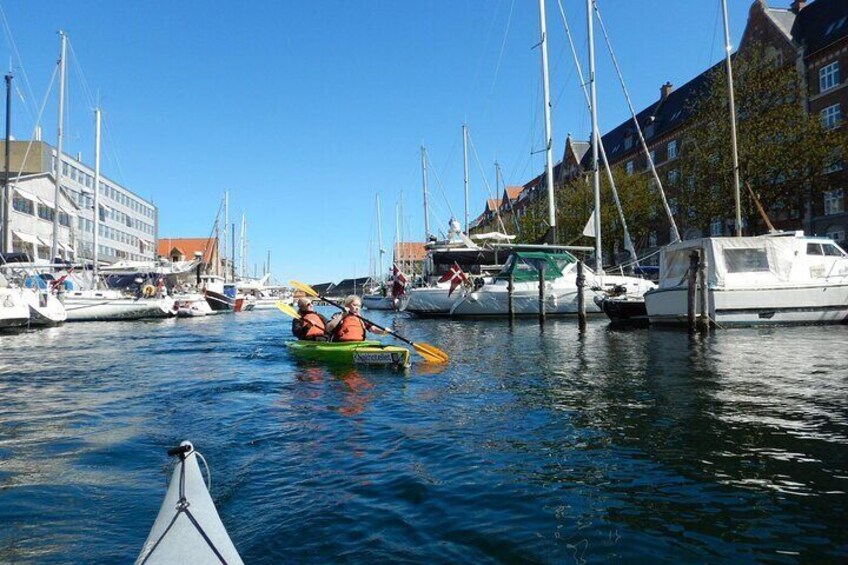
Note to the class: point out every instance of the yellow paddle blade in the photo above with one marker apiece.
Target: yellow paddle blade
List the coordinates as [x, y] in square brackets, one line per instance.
[431, 353]
[304, 288]
[286, 309]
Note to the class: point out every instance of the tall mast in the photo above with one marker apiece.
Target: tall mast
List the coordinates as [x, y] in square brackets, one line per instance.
[596, 178]
[465, 170]
[6, 195]
[54, 252]
[224, 231]
[549, 165]
[727, 49]
[380, 249]
[424, 185]
[396, 255]
[233, 252]
[268, 269]
[243, 246]
[96, 240]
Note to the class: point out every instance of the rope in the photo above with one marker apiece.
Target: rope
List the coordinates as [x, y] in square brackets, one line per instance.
[488, 187]
[14, 46]
[636, 122]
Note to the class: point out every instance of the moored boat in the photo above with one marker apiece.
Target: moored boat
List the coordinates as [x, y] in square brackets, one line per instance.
[351, 353]
[770, 279]
[14, 312]
[105, 305]
[188, 528]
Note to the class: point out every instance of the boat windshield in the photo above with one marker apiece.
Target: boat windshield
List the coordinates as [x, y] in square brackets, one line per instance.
[525, 266]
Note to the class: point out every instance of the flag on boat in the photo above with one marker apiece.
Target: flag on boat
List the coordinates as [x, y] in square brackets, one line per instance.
[54, 284]
[589, 230]
[398, 282]
[455, 276]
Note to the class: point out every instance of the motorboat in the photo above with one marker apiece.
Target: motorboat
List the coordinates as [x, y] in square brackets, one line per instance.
[191, 305]
[560, 293]
[780, 278]
[14, 311]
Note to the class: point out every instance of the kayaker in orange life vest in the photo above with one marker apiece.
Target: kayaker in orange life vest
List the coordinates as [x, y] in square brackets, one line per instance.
[347, 326]
[311, 325]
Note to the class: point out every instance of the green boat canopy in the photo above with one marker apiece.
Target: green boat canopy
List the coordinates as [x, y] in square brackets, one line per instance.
[524, 266]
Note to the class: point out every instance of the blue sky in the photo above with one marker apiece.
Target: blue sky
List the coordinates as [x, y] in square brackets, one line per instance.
[305, 110]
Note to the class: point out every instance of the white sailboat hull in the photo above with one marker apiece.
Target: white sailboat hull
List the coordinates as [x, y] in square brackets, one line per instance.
[432, 301]
[105, 306]
[814, 304]
[492, 299]
[378, 302]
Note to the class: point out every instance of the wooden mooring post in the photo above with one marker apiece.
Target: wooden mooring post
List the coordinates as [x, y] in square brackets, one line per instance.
[704, 318]
[692, 290]
[581, 298]
[509, 290]
[542, 293]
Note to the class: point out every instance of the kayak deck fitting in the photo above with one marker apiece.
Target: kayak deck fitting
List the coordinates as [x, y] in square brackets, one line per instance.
[188, 528]
[347, 353]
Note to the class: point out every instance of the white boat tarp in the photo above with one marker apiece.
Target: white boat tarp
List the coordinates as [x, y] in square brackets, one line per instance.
[745, 261]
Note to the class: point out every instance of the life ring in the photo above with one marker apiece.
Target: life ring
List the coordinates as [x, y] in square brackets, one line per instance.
[148, 290]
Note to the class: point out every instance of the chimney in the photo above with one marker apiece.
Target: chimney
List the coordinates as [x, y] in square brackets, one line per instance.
[797, 5]
[79, 156]
[665, 90]
[37, 133]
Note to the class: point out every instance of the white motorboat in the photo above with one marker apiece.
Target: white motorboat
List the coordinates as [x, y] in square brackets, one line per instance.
[784, 278]
[192, 305]
[44, 308]
[14, 311]
[560, 287]
[103, 305]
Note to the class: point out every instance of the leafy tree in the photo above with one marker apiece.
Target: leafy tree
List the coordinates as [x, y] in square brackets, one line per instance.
[782, 149]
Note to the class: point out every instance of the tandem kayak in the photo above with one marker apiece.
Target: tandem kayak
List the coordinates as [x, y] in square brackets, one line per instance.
[351, 353]
[188, 528]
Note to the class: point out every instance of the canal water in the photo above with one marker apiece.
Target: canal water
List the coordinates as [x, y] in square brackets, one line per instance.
[532, 445]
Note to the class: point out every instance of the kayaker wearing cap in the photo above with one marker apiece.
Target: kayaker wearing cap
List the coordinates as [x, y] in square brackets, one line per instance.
[347, 325]
[311, 325]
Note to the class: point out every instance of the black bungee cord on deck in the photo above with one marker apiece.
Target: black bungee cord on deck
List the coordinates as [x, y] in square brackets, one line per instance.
[183, 506]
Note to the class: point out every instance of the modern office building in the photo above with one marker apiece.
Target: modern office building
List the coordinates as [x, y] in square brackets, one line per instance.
[128, 223]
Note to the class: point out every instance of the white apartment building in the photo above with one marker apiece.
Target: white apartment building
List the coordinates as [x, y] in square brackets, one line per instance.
[128, 223]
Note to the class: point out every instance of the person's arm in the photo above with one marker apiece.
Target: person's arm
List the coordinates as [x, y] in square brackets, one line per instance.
[334, 321]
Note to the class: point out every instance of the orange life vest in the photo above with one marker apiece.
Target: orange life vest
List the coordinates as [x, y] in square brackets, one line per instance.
[315, 327]
[350, 328]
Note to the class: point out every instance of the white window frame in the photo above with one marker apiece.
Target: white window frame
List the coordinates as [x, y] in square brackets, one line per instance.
[829, 76]
[831, 116]
[672, 149]
[628, 167]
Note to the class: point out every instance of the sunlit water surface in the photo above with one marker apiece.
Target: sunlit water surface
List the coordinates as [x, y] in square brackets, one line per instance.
[532, 445]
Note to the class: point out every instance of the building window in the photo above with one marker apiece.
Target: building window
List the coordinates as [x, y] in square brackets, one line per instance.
[628, 141]
[716, 226]
[653, 158]
[672, 206]
[672, 149]
[628, 167]
[652, 239]
[834, 202]
[673, 177]
[64, 219]
[23, 205]
[829, 76]
[830, 116]
[45, 212]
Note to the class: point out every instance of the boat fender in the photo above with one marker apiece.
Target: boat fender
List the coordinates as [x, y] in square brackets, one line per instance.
[148, 290]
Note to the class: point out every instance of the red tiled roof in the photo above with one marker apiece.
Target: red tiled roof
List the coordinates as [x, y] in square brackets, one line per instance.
[187, 247]
[512, 192]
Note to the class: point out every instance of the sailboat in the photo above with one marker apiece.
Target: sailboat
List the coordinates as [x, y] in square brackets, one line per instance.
[379, 297]
[518, 283]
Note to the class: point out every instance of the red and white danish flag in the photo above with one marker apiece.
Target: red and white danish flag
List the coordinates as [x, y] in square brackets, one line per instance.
[455, 276]
[398, 282]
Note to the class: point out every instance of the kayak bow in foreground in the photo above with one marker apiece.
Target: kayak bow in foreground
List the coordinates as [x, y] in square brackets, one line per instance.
[188, 528]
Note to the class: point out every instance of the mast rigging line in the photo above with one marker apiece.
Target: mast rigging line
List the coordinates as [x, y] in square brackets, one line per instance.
[486, 182]
[627, 239]
[439, 182]
[40, 113]
[8, 31]
[636, 123]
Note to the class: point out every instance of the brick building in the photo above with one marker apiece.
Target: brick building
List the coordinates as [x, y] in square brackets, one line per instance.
[811, 35]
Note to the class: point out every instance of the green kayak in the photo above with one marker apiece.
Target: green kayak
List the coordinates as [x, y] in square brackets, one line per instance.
[351, 353]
